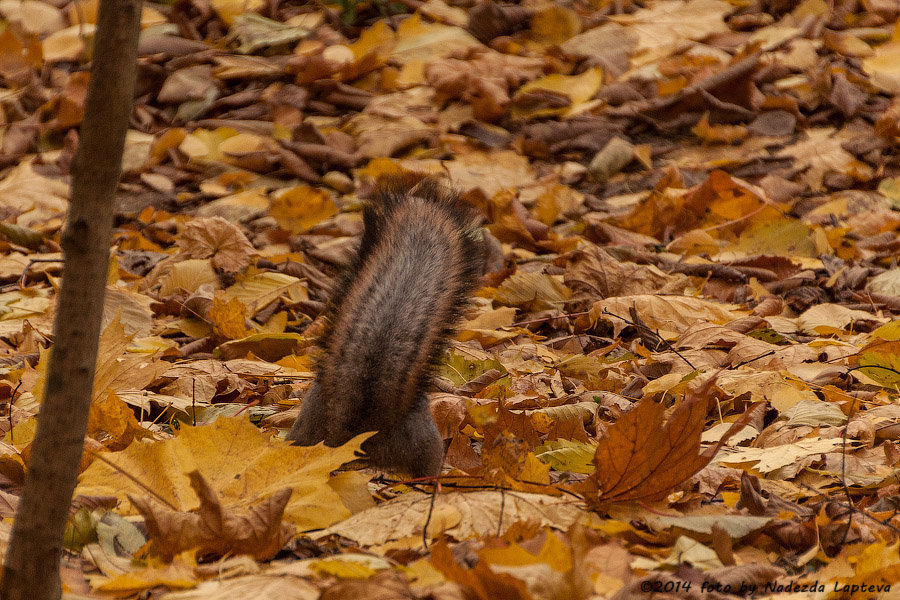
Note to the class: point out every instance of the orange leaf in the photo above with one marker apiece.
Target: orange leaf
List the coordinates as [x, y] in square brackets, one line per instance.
[644, 457]
[480, 581]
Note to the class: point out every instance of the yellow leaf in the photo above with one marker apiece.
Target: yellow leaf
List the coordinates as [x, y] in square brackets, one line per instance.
[881, 362]
[575, 88]
[188, 275]
[428, 41]
[22, 433]
[297, 209]
[672, 383]
[350, 566]
[178, 574]
[537, 290]
[377, 41]
[888, 331]
[267, 346]
[21, 304]
[236, 146]
[554, 24]
[276, 323]
[781, 236]
[116, 368]
[229, 317]
[203, 143]
[241, 463]
[721, 134]
[229, 9]
[299, 363]
[380, 167]
[884, 68]
[260, 289]
[86, 12]
[876, 564]
[110, 415]
[568, 455]
[555, 552]
[68, 44]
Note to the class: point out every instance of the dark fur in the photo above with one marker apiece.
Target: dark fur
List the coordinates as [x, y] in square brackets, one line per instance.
[389, 320]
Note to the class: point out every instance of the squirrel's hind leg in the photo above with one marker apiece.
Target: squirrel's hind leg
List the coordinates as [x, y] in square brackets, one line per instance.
[413, 445]
[309, 428]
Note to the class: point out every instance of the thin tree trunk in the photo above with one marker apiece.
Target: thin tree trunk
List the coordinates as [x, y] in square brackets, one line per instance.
[31, 571]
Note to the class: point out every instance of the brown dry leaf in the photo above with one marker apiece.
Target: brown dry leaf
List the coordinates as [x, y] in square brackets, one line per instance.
[189, 84]
[822, 152]
[594, 273]
[461, 516]
[488, 172]
[33, 17]
[768, 386]
[130, 308]
[666, 314]
[610, 41]
[785, 456]
[668, 22]
[237, 207]
[827, 319]
[215, 530]
[272, 584]
[507, 463]
[383, 585]
[644, 457]
[33, 200]
[484, 79]
[847, 44]
[384, 136]
[511, 222]
[270, 347]
[536, 290]
[218, 239]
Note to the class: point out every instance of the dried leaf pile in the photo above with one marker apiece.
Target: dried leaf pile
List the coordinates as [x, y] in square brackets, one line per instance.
[679, 377]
